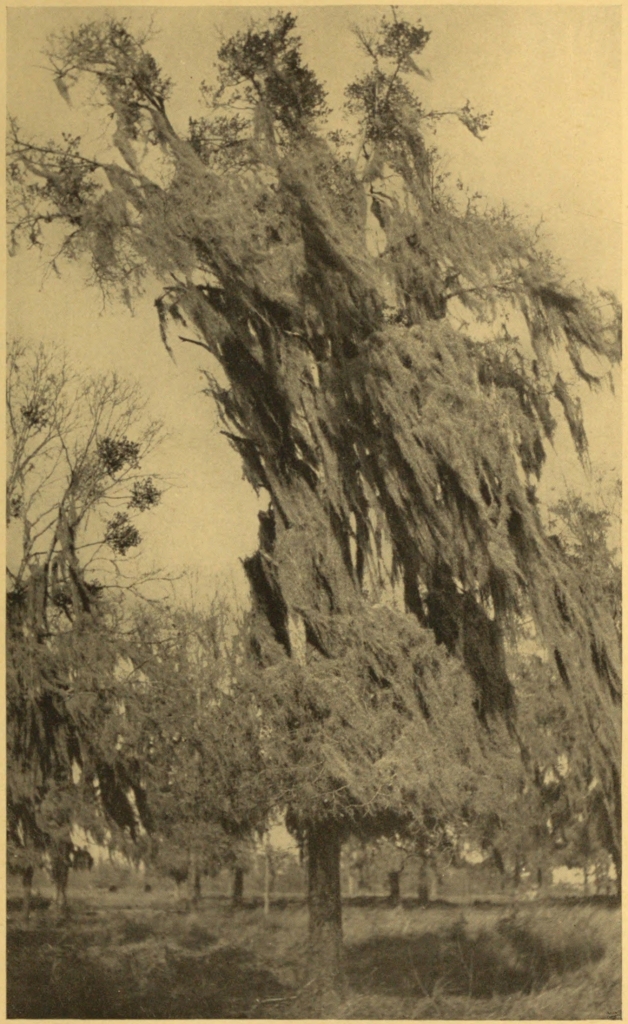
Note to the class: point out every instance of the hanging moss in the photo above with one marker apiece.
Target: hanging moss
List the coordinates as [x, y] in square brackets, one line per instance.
[403, 545]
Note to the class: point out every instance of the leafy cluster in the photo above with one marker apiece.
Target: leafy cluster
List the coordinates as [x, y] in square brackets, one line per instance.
[391, 117]
[264, 98]
[129, 76]
[63, 477]
[360, 732]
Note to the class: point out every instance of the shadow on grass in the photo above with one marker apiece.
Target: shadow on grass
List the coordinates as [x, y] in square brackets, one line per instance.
[408, 902]
[502, 961]
[16, 903]
[599, 900]
[119, 969]
[46, 981]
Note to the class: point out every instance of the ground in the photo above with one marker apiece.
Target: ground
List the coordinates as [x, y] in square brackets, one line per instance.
[135, 954]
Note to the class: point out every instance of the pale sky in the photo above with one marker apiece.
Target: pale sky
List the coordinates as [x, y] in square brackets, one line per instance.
[550, 74]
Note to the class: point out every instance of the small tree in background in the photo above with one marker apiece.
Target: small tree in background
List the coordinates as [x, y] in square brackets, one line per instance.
[585, 533]
[74, 488]
[339, 290]
[194, 729]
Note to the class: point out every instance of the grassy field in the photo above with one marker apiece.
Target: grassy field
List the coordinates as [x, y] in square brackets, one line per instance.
[130, 954]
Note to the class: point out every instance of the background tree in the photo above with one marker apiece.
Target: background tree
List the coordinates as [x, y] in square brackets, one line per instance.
[586, 534]
[194, 729]
[403, 545]
[525, 830]
[74, 488]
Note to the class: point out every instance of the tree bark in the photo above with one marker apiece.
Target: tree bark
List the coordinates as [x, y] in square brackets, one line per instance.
[238, 886]
[325, 912]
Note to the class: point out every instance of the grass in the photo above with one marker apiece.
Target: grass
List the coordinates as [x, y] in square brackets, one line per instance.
[137, 955]
[549, 961]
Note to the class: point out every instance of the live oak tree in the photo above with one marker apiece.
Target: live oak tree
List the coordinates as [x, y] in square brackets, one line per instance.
[74, 490]
[193, 727]
[391, 372]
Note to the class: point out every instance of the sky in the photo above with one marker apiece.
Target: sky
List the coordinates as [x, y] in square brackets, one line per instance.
[551, 76]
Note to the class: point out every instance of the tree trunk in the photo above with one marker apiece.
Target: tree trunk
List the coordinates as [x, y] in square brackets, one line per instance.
[498, 861]
[62, 897]
[600, 874]
[517, 871]
[27, 884]
[238, 886]
[268, 876]
[616, 859]
[424, 883]
[195, 878]
[60, 874]
[394, 888]
[325, 911]
[196, 886]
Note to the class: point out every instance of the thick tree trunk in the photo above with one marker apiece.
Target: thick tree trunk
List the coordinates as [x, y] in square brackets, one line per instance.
[325, 909]
[238, 886]
[394, 888]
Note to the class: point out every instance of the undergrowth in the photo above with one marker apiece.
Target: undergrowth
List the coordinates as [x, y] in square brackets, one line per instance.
[155, 960]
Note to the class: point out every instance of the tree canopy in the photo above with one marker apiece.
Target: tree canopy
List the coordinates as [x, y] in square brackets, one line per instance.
[75, 488]
[192, 725]
[392, 369]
